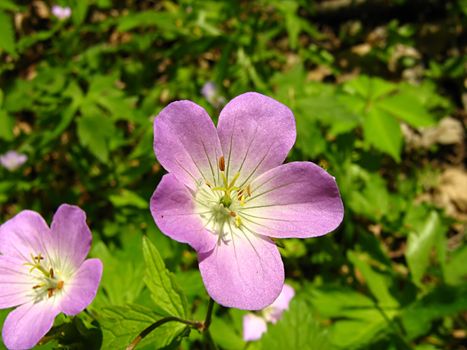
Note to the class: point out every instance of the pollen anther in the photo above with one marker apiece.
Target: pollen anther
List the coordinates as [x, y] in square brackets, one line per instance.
[222, 163]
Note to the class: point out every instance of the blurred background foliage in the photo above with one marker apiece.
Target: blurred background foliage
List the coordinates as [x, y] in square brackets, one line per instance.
[378, 89]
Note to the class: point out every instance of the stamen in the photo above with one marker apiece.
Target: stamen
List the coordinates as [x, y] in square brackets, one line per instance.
[248, 190]
[37, 286]
[50, 292]
[222, 163]
[60, 284]
[238, 221]
[51, 272]
[232, 214]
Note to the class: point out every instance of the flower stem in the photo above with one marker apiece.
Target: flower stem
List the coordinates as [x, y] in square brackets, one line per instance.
[159, 323]
[207, 320]
[201, 326]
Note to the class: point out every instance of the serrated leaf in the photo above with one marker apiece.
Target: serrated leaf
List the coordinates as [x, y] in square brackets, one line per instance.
[164, 289]
[122, 324]
[383, 131]
[7, 36]
[123, 275]
[420, 245]
[296, 330]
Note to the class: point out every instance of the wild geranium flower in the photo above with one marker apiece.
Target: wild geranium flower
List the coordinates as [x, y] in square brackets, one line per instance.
[227, 193]
[12, 160]
[43, 271]
[60, 12]
[254, 325]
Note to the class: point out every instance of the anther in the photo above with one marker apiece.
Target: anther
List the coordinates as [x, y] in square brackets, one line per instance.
[51, 273]
[50, 292]
[222, 163]
[36, 286]
[232, 214]
[248, 190]
[60, 284]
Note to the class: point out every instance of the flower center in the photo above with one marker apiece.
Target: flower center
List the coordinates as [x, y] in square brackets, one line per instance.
[220, 207]
[48, 281]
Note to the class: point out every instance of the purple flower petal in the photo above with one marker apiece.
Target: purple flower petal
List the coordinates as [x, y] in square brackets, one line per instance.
[81, 291]
[245, 272]
[256, 134]
[280, 304]
[71, 237]
[173, 210]
[253, 327]
[297, 199]
[27, 324]
[186, 143]
[23, 235]
[15, 284]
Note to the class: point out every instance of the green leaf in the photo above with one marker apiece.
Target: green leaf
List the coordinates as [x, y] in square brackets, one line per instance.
[94, 132]
[407, 108]
[296, 330]
[225, 336]
[164, 289]
[377, 281]
[420, 245]
[6, 126]
[357, 321]
[456, 268]
[128, 198]
[8, 5]
[328, 110]
[383, 132]
[80, 10]
[122, 278]
[7, 36]
[122, 324]
[442, 301]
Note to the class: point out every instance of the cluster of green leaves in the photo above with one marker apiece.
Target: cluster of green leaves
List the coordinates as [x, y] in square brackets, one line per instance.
[78, 97]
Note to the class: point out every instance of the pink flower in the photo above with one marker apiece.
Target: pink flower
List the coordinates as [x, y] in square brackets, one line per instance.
[12, 160]
[255, 325]
[43, 271]
[60, 12]
[226, 193]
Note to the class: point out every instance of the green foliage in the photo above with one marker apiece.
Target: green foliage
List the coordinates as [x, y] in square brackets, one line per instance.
[78, 96]
[296, 330]
[164, 289]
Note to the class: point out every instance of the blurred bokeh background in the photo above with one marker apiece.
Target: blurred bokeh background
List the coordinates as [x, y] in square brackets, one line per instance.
[378, 89]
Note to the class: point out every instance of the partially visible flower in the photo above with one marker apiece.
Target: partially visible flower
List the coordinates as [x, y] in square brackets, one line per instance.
[43, 271]
[211, 94]
[227, 194]
[12, 160]
[60, 12]
[255, 325]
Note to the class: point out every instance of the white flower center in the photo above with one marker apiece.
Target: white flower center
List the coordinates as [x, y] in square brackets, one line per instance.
[220, 207]
[48, 279]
